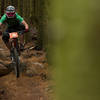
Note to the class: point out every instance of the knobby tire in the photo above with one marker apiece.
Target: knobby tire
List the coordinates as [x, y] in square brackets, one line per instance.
[17, 63]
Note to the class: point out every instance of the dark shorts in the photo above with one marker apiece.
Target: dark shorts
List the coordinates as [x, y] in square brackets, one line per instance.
[5, 36]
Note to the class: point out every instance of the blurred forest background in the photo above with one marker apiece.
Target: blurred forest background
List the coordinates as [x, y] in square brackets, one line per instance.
[75, 46]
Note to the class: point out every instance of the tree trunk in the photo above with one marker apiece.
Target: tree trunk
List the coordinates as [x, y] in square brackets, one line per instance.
[2, 7]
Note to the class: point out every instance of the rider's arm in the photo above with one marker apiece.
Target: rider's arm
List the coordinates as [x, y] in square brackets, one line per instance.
[3, 18]
[26, 25]
[1, 21]
[22, 21]
[0, 24]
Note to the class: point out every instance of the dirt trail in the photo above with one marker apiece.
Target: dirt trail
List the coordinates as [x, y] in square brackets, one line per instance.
[33, 83]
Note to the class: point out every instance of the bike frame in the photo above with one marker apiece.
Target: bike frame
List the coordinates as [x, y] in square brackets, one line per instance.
[15, 51]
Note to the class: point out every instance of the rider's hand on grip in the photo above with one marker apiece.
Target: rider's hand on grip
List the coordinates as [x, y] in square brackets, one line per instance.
[26, 30]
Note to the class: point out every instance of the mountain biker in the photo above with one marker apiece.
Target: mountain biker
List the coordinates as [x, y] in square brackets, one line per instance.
[14, 23]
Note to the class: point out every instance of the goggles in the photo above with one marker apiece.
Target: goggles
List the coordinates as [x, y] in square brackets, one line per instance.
[10, 14]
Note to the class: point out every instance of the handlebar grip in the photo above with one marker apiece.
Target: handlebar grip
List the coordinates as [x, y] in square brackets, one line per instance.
[23, 31]
[27, 30]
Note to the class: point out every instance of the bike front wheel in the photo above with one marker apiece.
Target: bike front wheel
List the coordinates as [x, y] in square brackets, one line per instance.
[17, 62]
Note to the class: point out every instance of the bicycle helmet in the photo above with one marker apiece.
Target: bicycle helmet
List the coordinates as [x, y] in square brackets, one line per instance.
[10, 11]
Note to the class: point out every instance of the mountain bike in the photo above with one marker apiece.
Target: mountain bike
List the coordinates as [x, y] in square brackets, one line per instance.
[15, 49]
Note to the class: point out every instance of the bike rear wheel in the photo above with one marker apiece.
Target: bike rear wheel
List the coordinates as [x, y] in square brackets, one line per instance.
[17, 62]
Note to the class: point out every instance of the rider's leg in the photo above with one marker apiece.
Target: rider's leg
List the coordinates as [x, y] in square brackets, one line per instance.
[5, 38]
[21, 38]
[22, 27]
[8, 46]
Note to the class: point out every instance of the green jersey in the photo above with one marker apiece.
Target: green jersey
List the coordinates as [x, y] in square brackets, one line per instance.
[11, 21]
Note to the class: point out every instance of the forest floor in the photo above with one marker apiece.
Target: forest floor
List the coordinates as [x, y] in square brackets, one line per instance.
[34, 82]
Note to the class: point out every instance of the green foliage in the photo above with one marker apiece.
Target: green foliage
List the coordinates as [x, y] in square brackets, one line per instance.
[74, 48]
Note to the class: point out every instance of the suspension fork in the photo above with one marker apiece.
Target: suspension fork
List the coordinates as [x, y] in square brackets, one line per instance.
[14, 43]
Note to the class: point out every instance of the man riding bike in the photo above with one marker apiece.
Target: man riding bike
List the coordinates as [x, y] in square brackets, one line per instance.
[14, 23]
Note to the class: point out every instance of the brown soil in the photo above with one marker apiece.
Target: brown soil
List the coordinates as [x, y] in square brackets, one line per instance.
[34, 82]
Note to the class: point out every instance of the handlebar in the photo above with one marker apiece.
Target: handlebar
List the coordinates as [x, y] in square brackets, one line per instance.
[22, 31]
[19, 32]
